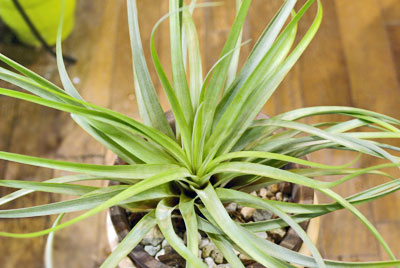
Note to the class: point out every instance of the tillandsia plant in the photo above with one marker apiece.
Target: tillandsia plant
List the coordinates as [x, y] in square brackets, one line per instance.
[218, 153]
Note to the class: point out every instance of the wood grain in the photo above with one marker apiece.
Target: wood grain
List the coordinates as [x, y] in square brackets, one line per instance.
[354, 60]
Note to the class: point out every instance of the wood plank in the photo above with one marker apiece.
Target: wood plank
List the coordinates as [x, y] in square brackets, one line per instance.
[390, 11]
[369, 61]
[123, 99]
[95, 70]
[35, 143]
[16, 126]
[324, 81]
[352, 61]
[8, 118]
[371, 72]
[390, 230]
[217, 22]
[72, 144]
[394, 38]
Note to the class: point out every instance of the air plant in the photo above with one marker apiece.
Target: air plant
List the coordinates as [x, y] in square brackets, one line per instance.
[218, 153]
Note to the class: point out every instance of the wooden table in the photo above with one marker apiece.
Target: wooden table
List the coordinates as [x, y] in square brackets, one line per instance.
[354, 61]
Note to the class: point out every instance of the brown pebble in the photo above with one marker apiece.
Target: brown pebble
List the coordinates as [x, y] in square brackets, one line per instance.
[247, 212]
[263, 193]
[206, 250]
[277, 234]
[217, 256]
[273, 188]
[285, 187]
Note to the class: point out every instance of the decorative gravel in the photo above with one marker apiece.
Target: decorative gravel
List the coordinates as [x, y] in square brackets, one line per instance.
[157, 246]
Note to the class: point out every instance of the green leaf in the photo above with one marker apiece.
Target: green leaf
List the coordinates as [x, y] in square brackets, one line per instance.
[106, 116]
[263, 204]
[320, 110]
[163, 215]
[35, 88]
[235, 57]
[233, 124]
[35, 77]
[207, 227]
[90, 201]
[65, 179]
[106, 140]
[267, 171]
[178, 70]
[267, 248]
[352, 143]
[144, 151]
[177, 108]
[48, 253]
[186, 207]
[131, 240]
[361, 217]
[317, 172]
[28, 84]
[149, 105]
[310, 211]
[303, 260]
[59, 188]
[256, 136]
[232, 230]
[226, 248]
[225, 125]
[253, 183]
[210, 95]
[123, 171]
[159, 179]
[195, 66]
[268, 155]
[65, 80]
[198, 139]
[262, 46]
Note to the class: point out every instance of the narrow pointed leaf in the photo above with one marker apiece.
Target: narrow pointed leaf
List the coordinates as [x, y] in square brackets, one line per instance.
[131, 240]
[48, 253]
[162, 178]
[150, 108]
[186, 207]
[164, 221]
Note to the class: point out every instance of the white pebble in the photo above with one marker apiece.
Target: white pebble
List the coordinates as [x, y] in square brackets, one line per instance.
[204, 242]
[152, 250]
[210, 262]
[263, 193]
[231, 207]
[164, 243]
[160, 253]
[154, 237]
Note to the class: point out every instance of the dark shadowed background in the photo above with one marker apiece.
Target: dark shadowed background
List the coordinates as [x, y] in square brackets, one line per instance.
[353, 61]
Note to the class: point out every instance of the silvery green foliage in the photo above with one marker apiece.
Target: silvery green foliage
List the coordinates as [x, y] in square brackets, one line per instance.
[219, 153]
